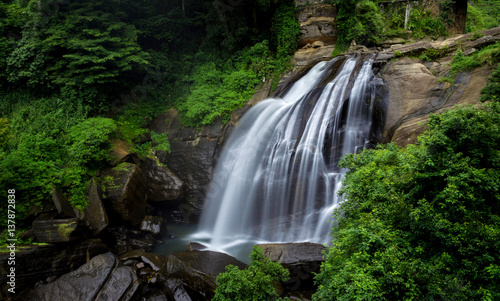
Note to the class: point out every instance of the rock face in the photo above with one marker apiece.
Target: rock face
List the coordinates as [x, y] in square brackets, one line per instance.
[415, 92]
[191, 158]
[38, 263]
[192, 275]
[301, 259]
[162, 184]
[317, 23]
[125, 193]
[103, 278]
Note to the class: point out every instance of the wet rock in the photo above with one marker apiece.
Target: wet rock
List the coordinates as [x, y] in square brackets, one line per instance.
[58, 230]
[191, 159]
[145, 271]
[196, 246]
[95, 214]
[62, 204]
[162, 184]
[125, 193]
[152, 224]
[102, 278]
[40, 262]
[303, 260]
[155, 261]
[192, 275]
[146, 242]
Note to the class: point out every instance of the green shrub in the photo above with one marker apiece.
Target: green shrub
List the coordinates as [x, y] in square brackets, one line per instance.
[36, 155]
[422, 222]
[219, 89]
[488, 55]
[492, 90]
[89, 142]
[360, 21]
[422, 24]
[254, 283]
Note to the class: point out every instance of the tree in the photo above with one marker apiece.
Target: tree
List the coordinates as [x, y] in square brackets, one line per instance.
[83, 48]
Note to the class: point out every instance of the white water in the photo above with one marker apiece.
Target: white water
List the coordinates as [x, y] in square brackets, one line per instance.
[277, 179]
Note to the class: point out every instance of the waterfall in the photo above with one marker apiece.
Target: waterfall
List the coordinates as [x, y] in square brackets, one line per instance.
[277, 178]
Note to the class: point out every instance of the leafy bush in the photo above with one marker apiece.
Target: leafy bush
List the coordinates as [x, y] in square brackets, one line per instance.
[482, 15]
[421, 222]
[254, 283]
[358, 20]
[218, 90]
[90, 142]
[36, 155]
[488, 55]
[422, 24]
[492, 90]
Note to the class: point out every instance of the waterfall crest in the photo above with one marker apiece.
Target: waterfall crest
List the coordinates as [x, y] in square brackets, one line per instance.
[277, 177]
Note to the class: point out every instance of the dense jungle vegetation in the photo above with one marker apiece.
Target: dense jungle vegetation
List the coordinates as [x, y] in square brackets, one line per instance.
[77, 74]
[419, 223]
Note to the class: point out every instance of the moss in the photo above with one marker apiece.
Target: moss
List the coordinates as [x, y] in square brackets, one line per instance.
[65, 230]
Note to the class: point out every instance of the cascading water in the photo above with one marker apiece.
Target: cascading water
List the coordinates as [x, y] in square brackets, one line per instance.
[277, 177]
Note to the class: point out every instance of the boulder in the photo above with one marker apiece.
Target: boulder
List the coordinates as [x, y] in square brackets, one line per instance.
[62, 204]
[192, 275]
[58, 230]
[35, 263]
[125, 193]
[102, 278]
[152, 224]
[196, 246]
[303, 260]
[95, 214]
[162, 184]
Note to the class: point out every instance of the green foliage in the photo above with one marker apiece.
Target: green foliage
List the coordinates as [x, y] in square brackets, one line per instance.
[4, 132]
[159, 142]
[422, 24]
[482, 15]
[286, 30]
[90, 142]
[488, 55]
[36, 156]
[81, 49]
[492, 90]
[421, 222]
[346, 20]
[254, 283]
[360, 21]
[218, 90]
[11, 20]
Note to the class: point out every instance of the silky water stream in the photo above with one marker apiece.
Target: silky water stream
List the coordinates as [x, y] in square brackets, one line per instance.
[277, 177]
